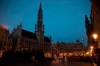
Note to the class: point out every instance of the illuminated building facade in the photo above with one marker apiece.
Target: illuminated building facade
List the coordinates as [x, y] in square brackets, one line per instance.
[66, 49]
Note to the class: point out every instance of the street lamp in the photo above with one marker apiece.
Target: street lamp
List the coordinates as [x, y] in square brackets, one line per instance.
[95, 36]
[91, 47]
[91, 50]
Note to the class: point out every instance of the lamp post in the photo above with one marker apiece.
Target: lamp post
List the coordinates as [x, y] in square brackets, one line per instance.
[95, 37]
[91, 51]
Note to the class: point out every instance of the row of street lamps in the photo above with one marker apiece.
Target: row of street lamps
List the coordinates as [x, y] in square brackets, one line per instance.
[94, 48]
[91, 48]
[95, 37]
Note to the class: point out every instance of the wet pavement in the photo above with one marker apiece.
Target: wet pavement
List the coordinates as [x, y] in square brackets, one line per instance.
[60, 63]
[56, 62]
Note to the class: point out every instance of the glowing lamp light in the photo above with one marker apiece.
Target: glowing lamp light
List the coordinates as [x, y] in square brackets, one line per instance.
[91, 47]
[91, 50]
[87, 53]
[95, 36]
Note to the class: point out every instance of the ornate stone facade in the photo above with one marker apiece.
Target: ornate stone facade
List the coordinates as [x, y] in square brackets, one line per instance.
[24, 40]
[68, 48]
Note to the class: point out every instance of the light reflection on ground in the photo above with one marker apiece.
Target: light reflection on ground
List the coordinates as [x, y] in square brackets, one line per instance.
[55, 62]
[60, 62]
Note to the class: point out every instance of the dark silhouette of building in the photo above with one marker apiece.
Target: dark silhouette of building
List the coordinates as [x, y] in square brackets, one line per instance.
[39, 27]
[24, 40]
[89, 29]
[4, 39]
[93, 25]
[95, 10]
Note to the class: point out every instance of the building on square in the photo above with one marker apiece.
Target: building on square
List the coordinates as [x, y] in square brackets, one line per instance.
[93, 25]
[68, 49]
[24, 40]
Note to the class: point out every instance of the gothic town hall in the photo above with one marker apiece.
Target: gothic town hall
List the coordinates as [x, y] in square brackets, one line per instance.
[24, 40]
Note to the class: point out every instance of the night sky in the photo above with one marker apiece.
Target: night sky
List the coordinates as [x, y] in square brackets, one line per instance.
[63, 19]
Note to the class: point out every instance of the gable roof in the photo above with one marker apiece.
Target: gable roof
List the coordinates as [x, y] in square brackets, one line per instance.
[28, 34]
[31, 35]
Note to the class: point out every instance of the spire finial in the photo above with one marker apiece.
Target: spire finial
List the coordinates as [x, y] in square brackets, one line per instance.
[40, 3]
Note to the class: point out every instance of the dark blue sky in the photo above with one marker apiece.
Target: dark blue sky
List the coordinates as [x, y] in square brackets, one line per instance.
[63, 19]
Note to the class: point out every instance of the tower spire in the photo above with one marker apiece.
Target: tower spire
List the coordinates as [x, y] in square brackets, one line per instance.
[86, 22]
[40, 10]
[40, 4]
[40, 25]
